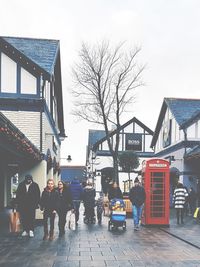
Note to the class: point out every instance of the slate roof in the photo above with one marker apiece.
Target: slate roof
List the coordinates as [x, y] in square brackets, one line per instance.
[42, 52]
[184, 110]
[95, 136]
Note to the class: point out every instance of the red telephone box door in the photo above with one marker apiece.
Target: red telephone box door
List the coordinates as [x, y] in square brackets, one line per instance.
[156, 184]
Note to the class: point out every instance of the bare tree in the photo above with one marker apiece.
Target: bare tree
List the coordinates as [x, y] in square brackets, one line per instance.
[105, 82]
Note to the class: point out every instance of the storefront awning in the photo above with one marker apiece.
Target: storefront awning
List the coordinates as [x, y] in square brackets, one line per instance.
[193, 153]
[14, 144]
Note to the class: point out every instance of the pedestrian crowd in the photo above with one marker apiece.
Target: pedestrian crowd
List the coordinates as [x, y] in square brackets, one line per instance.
[65, 200]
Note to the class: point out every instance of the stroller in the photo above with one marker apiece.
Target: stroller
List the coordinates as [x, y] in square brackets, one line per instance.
[117, 215]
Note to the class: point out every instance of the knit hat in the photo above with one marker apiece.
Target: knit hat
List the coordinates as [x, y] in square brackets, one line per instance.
[136, 180]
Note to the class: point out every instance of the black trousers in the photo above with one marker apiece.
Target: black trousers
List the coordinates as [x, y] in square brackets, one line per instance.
[179, 215]
[51, 217]
[62, 220]
[27, 218]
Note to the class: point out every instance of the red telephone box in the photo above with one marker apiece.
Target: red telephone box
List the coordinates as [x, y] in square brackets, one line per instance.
[155, 178]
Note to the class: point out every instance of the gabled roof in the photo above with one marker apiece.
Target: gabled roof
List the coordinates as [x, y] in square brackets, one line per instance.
[184, 111]
[95, 136]
[42, 52]
[134, 119]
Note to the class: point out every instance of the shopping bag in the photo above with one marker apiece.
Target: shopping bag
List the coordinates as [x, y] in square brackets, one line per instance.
[196, 213]
[14, 222]
[71, 220]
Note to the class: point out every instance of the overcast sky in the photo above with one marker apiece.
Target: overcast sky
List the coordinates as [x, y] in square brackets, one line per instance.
[167, 30]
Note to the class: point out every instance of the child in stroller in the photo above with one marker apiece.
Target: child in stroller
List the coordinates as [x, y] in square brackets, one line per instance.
[117, 214]
[89, 194]
[100, 207]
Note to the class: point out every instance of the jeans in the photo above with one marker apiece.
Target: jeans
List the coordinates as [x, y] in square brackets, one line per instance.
[137, 214]
[51, 216]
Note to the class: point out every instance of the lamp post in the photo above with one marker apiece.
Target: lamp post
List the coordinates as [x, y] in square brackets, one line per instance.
[69, 158]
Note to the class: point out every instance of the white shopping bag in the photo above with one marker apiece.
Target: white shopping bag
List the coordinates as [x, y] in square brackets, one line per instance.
[71, 220]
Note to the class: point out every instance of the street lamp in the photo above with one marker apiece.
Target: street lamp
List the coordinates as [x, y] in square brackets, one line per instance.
[69, 158]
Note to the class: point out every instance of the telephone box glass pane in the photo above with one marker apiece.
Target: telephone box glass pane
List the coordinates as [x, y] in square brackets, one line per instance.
[157, 198]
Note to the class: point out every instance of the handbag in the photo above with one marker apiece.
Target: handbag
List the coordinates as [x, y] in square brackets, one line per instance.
[14, 222]
[71, 220]
[196, 213]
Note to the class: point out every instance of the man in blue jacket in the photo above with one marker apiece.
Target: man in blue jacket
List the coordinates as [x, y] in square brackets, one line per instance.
[137, 197]
[76, 192]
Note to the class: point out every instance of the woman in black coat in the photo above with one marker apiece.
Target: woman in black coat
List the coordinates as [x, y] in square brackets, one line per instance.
[48, 204]
[63, 206]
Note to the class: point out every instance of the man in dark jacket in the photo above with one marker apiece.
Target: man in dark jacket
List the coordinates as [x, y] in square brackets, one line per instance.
[137, 197]
[76, 193]
[27, 199]
[89, 194]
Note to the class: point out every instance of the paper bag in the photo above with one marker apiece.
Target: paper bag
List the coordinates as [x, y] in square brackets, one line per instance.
[71, 220]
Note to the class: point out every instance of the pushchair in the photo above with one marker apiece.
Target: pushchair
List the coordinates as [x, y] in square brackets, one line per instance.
[117, 214]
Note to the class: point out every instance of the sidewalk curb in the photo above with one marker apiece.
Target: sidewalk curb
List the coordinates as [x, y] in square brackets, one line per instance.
[178, 237]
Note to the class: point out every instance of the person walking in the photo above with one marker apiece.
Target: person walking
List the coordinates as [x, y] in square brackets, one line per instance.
[76, 190]
[100, 207]
[115, 192]
[88, 197]
[64, 205]
[27, 200]
[192, 198]
[179, 198]
[137, 197]
[49, 205]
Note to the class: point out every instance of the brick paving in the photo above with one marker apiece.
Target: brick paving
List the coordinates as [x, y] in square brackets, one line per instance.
[94, 245]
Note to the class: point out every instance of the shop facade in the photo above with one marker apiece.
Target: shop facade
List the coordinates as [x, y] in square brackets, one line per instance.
[31, 112]
[176, 138]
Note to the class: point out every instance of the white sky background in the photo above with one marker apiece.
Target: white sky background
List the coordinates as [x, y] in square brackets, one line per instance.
[167, 30]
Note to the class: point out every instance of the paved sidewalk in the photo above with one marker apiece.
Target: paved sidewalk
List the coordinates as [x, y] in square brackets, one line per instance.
[189, 231]
[94, 245]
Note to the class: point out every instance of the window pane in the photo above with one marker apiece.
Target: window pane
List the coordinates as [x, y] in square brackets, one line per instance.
[28, 83]
[8, 75]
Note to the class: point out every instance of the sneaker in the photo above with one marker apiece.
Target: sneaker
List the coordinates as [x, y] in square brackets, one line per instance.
[24, 233]
[31, 234]
[136, 228]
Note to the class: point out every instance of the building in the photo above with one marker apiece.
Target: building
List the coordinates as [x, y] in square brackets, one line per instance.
[31, 112]
[134, 136]
[68, 173]
[176, 138]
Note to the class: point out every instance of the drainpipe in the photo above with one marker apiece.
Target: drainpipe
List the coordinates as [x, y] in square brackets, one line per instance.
[42, 82]
[185, 139]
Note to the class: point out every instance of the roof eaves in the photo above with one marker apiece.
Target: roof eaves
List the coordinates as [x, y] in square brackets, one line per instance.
[159, 123]
[134, 119]
[24, 57]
